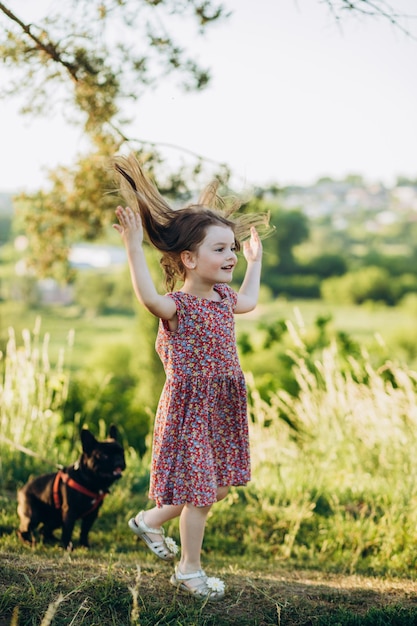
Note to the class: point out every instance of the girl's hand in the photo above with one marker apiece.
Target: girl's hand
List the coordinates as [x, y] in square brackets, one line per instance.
[129, 227]
[252, 249]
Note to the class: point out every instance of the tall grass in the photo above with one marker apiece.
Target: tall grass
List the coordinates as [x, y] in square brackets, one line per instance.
[334, 467]
[32, 394]
[334, 487]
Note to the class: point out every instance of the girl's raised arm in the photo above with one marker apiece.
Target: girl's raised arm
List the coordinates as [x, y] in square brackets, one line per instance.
[249, 291]
[131, 230]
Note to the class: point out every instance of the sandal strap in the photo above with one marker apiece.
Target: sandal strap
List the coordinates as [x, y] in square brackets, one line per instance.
[148, 529]
[198, 574]
[158, 546]
[204, 589]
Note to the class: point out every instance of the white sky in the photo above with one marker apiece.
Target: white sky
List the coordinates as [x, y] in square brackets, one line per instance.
[293, 97]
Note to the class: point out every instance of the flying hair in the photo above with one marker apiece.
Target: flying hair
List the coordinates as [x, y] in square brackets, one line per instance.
[172, 231]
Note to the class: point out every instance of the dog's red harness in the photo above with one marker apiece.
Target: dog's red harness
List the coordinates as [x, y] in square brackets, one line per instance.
[72, 484]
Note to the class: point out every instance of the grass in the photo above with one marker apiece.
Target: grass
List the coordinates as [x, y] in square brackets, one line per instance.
[323, 535]
[358, 321]
[61, 321]
[361, 322]
[98, 587]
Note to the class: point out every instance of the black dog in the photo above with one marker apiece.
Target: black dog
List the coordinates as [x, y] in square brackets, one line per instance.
[59, 499]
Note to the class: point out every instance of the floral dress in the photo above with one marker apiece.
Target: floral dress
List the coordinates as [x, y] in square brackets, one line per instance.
[201, 439]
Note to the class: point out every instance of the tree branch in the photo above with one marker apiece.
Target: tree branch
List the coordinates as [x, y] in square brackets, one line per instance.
[163, 144]
[49, 48]
[372, 8]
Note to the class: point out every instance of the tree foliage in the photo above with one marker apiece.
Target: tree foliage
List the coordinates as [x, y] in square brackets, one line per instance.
[92, 55]
[91, 59]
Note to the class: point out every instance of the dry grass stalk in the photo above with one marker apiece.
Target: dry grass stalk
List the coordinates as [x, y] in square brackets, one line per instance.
[135, 613]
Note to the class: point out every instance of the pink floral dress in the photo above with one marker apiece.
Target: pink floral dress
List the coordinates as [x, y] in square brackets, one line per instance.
[200, 437]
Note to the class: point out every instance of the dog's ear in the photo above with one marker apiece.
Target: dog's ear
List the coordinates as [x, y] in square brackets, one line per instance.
[113, 432]
[89, 442]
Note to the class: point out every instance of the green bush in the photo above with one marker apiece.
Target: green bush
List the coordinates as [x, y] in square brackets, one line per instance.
[294, 285]
[326, 265]
[369, 283]
[120, 383]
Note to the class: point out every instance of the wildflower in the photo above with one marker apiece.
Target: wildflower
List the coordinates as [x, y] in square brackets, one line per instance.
[215, 584]
[171, 545]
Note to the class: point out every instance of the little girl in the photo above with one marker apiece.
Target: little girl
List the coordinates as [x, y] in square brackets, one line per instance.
[201, 444]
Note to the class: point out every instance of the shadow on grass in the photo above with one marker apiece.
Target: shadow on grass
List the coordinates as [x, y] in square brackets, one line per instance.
[97, 589]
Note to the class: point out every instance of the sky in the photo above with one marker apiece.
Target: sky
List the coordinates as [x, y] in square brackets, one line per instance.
[294, 96]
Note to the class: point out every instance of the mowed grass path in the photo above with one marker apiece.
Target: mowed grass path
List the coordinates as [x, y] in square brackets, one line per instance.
[98, 588]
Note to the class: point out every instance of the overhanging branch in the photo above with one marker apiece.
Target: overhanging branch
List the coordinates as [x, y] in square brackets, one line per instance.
[49, 48]
[373, 9]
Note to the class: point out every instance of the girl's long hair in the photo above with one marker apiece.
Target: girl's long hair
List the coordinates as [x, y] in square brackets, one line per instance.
[172, 231]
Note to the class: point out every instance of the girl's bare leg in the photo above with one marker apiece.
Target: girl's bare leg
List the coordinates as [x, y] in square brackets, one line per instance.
[222, 493]
[157, 516]
[192, 525]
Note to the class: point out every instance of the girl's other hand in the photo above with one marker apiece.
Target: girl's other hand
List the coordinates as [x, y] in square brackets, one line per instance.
[130, 226]
[252, 249]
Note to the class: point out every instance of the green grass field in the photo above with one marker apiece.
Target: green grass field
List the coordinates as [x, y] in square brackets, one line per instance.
[358, 321]
[361, 322]
[60, 322]
[323, 535]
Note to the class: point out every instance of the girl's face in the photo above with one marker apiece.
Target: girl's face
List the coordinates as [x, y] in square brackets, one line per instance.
[215, 258]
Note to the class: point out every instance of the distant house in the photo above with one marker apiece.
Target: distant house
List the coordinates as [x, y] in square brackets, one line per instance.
[93, 256]
[83, 256]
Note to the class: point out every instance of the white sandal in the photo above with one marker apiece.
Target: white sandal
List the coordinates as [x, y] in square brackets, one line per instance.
[209, 588]
[165, 549]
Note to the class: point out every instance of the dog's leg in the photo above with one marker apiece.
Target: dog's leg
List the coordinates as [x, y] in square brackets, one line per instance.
[68, 523]
[86, 525]
[47, 531]
[26, 509]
